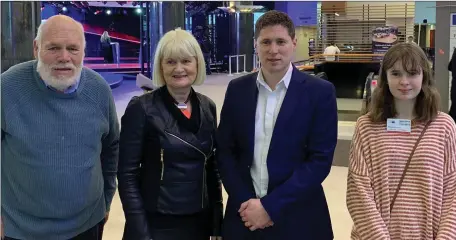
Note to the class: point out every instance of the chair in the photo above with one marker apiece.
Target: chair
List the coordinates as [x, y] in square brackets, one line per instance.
[144, 83]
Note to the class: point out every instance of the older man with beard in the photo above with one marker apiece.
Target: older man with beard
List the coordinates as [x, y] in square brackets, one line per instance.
[59, 141]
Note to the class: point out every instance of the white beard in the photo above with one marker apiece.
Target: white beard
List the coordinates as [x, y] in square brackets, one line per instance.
[60, 83]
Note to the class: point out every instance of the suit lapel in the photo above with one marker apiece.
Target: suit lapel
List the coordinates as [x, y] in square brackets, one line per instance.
[250, 105]
[289, 105]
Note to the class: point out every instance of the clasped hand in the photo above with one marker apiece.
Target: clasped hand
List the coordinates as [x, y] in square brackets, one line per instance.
[254, 215]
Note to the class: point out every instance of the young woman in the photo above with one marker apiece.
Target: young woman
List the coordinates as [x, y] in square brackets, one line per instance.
[168, 181]
[402, 172]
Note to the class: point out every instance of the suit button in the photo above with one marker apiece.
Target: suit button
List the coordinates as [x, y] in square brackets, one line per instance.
[248, 166]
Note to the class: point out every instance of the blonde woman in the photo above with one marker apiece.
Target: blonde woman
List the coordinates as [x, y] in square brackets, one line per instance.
[168, 181]
[106, 47]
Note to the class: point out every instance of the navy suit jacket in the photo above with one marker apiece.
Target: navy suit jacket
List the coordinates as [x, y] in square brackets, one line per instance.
[299, 158]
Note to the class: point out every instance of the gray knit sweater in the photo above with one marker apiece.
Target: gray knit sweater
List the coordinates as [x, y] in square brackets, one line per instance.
[59, 155]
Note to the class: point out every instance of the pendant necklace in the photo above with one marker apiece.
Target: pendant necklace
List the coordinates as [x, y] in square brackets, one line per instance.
[182, 105]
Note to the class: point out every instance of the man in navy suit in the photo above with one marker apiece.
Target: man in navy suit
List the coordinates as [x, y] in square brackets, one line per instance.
[276, 141]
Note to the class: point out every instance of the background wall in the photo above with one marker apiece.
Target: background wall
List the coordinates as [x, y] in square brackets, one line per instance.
[352, 22]
[305, 18]
[122, 25]
[393, 9]
[303, 34]
[397, 13]
[425, 10]
[442, 42]
[20, 21]
[301, 13]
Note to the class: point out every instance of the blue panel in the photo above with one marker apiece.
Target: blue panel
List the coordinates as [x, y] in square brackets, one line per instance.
[303, 13]
[281, 6]
[48, 11]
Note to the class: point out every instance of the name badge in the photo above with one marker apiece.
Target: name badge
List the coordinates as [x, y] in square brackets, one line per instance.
[398, 125]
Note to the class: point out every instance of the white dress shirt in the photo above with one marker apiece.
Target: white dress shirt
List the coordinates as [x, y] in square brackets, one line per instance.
[331, 50]
[267, 110]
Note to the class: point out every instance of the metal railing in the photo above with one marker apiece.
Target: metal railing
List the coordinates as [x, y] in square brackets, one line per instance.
[237, 64]
[256, 63]
[369, 87]
[345, 57]
[308, 64]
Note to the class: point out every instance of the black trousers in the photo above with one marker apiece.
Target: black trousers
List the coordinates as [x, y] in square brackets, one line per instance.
[107, 54]
[95, 233]
[188, 227]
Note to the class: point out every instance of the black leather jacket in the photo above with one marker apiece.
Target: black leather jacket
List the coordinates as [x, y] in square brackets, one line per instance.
[165, 168]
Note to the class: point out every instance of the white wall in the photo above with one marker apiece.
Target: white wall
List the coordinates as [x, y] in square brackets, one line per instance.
[303, 34]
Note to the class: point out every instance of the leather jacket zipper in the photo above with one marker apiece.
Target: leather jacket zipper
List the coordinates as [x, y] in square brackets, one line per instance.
[189, 144]
[162, 164]
[205, 161]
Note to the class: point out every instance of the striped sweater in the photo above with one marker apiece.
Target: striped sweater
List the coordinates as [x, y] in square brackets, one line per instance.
[425, 208]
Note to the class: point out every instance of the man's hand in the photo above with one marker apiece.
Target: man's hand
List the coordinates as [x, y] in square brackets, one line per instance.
[254, 215]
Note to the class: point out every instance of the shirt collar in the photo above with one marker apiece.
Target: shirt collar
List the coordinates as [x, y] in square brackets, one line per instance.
[285, 80]
[69, 90]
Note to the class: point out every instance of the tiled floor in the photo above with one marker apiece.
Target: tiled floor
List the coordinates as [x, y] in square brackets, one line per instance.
[215, 87]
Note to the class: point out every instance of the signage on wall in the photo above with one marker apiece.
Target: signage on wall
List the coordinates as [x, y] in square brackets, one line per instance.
[453, 19]
[382, 39]
[303, 13]
[452, 34]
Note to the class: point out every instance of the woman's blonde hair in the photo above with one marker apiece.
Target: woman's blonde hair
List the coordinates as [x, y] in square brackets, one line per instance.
[104, 37]
[413, 59]
[178, 44]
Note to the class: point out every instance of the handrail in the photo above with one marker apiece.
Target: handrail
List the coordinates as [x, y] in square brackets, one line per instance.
[309, 64]
[348, 55]
[237, 63]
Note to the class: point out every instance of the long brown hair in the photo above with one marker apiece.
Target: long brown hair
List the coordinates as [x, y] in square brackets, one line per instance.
[413, 59]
